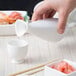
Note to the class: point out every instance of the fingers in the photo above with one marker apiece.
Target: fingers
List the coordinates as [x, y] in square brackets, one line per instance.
[49, 14]
[62, 21]
[52, 14]
[40, 11]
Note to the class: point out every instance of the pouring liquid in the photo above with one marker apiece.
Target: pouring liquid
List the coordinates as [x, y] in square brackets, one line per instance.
[45, 29]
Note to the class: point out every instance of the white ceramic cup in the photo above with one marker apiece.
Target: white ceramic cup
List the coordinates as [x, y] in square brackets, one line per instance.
[17, 50]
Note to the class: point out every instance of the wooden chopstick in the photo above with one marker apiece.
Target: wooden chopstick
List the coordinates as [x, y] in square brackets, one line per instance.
[31, 73]
[33, 68]
[35, 71]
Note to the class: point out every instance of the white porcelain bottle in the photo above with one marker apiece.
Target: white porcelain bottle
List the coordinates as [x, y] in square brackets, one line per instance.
[45, 29]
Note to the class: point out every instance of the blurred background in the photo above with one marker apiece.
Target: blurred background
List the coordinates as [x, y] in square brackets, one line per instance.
[26, 5]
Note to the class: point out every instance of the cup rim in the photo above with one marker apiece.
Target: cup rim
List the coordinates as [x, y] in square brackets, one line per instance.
[19, 41]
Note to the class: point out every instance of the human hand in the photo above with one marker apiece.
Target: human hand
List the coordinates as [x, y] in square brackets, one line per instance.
[48, 8]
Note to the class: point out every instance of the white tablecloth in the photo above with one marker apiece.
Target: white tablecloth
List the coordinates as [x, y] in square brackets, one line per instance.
[39, 51]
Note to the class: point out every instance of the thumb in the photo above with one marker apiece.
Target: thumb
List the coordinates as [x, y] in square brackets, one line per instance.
[63, 16]
[40, 10]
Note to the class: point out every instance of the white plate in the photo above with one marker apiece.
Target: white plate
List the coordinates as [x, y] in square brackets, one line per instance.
[10, 28]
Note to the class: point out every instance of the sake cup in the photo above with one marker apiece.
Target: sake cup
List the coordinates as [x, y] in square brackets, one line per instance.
[17, 50]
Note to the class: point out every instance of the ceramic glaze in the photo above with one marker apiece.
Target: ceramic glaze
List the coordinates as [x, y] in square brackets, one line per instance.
[45, 29]
[17, 50]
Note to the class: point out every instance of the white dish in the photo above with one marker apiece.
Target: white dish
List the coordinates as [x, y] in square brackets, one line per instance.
[9, 29]
[52, 72]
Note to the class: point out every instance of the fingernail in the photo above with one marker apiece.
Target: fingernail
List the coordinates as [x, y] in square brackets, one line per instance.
[61, 31]
[33, 19]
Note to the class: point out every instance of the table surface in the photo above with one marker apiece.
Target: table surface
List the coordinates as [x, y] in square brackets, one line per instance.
[39, 51]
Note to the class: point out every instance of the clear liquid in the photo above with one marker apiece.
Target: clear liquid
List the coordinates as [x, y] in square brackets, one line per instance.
[19, 41]
[20, 37]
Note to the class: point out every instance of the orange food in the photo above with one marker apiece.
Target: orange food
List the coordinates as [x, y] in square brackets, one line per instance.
[3, 22]
[3, 17]
[14, 16]
[63, 67]
[9, 19]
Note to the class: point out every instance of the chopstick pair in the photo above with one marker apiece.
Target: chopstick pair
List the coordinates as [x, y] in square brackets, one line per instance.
[35, 69]
[31, 73]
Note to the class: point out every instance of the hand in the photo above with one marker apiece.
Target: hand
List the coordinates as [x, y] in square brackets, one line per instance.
[48, 8]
